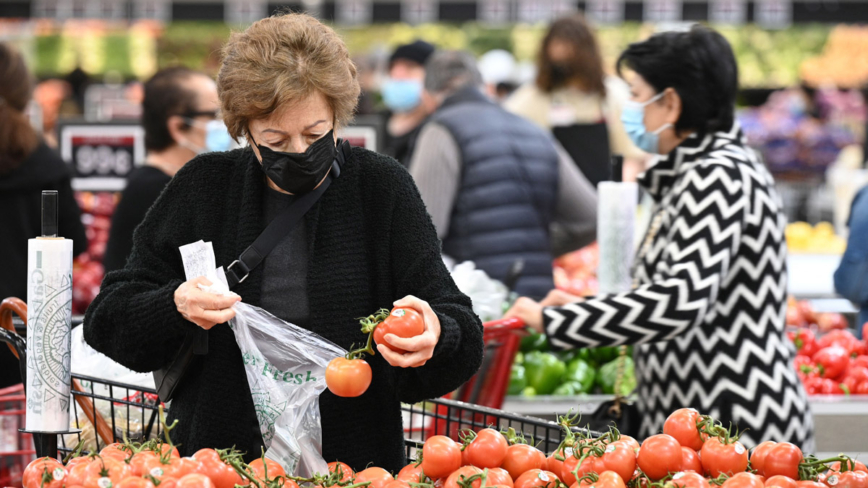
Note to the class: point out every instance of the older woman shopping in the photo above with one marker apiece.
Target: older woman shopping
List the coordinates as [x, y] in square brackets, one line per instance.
[708, 309]
[287, 84]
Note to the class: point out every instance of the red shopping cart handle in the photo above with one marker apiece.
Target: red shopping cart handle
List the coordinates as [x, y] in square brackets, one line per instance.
[513, 323]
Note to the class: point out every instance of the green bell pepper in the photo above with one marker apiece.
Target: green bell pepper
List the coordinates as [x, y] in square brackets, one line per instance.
[529, 392]
[517, 380]
[570, 388]
[603, 355]
[544, 371]
[534, 342]
[608, 375]
[581, 373]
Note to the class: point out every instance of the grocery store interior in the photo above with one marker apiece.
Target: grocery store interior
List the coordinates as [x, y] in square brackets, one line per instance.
[773, 242]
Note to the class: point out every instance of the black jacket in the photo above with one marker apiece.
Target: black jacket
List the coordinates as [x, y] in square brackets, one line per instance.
[20, 220]
[371, 243]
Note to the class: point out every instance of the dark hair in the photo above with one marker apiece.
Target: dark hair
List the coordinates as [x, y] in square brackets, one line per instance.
[166, 94]
[586, 64]
[17, 138]
[699, 66]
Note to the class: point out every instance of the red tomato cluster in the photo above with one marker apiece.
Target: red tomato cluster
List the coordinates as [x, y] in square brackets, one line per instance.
[692, 452]
[833, 364]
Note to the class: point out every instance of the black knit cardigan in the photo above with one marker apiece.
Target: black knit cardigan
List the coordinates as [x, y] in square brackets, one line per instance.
[371, 243]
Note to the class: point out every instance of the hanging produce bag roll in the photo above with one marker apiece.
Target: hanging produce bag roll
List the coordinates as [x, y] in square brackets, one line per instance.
[616, 217]
[49, 317]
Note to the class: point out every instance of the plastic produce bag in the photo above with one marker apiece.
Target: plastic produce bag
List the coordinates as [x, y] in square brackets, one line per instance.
[488, 295]
[285, 367]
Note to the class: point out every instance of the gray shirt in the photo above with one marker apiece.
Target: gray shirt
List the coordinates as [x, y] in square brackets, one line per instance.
[436, 167]
[284, 278]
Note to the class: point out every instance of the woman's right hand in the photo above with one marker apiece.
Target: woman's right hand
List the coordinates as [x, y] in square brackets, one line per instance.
[203, 308]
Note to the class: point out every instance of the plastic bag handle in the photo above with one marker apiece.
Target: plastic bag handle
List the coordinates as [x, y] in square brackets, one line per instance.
[19, 307]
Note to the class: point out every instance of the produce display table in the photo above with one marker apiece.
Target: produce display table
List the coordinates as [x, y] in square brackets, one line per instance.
[841, 422]
[812, 275]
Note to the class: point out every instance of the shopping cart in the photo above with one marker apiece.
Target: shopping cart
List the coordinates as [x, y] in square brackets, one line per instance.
[16, 448]
[107, 411]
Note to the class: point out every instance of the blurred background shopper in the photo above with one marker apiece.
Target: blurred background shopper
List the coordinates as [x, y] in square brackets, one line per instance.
[402, 95]
[180, 115]
[27, 167]
[574, 98]
[494, 183]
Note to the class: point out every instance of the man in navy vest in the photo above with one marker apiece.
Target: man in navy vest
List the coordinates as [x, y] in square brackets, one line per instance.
[498, 188]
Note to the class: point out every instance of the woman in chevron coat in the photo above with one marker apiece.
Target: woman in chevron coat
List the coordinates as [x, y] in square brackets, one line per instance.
[708, 309]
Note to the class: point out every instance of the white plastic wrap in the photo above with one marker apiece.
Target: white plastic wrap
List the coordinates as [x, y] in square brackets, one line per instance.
[488, 295]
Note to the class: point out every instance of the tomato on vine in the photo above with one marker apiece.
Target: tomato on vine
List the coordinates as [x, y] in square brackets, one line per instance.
[440, 457]
[485, 449]
[461, 476]
[44, 473]
[783, 459]
[779, 481]
[758, 457]
[660, 455]
[378, 477]
[690, 461]
[687, 480]
[521, 458]
[720, 457]
[537, 478]
[682, 425]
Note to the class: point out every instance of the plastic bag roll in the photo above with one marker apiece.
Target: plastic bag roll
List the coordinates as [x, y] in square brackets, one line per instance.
[616, 217]
[49, 317]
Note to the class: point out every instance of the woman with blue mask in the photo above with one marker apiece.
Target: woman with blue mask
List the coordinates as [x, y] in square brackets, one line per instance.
[180, 118]
[706, 313]
[402, 96]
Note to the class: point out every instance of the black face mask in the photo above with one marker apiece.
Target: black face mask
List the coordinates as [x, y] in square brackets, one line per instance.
[299, 173]
[561, 73]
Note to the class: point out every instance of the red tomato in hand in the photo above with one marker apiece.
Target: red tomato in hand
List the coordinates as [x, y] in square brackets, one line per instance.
[378, 477]
[499, 476]
[719, 458]
[681, 425]
[463, 474]
[779, 481]
[521, 458]
[195, 480]
[573, 470]
[487, 450]
[411, 473]
[688, 479]
[536, 478]
[48, 469]
[690, 461]
[743, 480]
[619, 458]
[348, 378]
[660, 455]
[403, 322]
[833, 359]
[440, 457]
[783, 459]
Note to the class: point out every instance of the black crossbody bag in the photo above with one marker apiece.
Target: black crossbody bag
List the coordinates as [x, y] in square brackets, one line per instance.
[195, 343]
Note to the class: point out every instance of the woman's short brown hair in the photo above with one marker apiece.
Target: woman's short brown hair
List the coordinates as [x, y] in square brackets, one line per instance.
[17, 138]
[279, 61]
[586, 63]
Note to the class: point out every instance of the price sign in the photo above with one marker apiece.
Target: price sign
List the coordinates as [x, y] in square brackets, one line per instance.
[360, 136]
[101, 156]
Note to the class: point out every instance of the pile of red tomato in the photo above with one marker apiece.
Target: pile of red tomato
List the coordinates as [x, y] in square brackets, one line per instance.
[835, 363]
[693, 451]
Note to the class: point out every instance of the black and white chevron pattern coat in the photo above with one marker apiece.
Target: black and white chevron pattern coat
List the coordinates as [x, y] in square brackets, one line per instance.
[708, 314]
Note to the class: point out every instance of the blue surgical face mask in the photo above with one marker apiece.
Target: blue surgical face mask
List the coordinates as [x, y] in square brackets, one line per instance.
[402, 95]
[217, 137]
[633, 118]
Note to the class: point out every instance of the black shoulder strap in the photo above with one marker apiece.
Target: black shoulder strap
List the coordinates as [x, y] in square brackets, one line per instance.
[253, 256]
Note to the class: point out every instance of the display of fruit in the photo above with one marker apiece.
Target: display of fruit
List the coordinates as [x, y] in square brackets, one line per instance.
[486, 458]
[835, 363]
[87, 271]
[537, 371]
[818, 239]
[839, 64]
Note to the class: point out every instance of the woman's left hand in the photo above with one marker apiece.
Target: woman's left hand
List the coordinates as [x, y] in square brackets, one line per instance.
[529, 311]
[419, 348]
